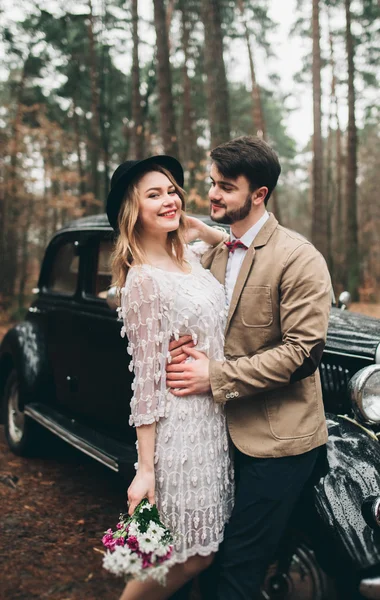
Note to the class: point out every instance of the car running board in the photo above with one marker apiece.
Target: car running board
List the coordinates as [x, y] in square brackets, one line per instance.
[107, 451]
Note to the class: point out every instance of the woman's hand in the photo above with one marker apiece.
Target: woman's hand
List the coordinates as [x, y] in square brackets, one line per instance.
[194, 229]
[142, 486]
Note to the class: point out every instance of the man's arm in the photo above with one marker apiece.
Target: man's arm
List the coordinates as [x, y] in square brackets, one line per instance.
[305, 300]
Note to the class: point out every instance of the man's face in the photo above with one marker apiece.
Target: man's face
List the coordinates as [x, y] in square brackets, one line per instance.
[231, 199]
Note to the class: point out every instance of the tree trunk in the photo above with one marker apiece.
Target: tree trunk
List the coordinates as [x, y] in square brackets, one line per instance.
[164, 81]
[11, 203]
[24, 254]
[137, 116]
[188, 142]
[257, 111]
[319, 208]
[216, 84]
[94, 124]
[81, 172]
[351, 245]
[258, 118]
[334, 184]
[169, 16]
[104, 118]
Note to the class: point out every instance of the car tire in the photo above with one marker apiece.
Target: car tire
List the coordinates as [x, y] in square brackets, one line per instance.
[23, 435]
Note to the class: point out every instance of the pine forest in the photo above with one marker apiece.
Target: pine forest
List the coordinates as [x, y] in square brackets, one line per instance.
[86, 85]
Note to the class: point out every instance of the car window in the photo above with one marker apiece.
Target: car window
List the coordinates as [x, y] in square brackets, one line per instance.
[103, 276]
[63, 277]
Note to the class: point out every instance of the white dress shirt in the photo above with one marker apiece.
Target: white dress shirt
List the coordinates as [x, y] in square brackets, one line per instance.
[236, 258]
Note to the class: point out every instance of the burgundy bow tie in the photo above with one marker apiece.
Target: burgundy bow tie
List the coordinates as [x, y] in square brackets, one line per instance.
[235, 244]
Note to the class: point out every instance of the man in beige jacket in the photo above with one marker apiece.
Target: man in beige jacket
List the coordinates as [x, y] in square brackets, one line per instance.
[278, 290]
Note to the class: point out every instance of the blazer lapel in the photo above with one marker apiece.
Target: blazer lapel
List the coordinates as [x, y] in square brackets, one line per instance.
[240, 282]
[219, 264]
[260, 240]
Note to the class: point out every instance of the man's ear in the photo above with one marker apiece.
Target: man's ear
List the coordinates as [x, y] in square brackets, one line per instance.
[259, 195]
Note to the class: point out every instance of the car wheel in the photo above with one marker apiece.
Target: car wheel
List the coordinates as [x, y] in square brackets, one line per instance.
[305, 580]
[21, 432]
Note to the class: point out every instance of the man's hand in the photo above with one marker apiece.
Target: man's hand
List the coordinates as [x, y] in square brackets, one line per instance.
[186, 379]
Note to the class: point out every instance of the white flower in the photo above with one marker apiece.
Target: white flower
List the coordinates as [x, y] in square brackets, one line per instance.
[159, 573]
[133, 529]
[155, 531]
[118, 561]
[147, 543]
[162, 549]
[135, 564]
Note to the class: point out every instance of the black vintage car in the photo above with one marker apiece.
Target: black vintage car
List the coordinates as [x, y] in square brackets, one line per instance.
[65, 369]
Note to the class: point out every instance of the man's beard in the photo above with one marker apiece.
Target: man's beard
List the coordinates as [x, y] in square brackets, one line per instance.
[238, 214]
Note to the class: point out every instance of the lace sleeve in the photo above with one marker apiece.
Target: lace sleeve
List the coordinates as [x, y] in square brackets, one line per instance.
[146, 326]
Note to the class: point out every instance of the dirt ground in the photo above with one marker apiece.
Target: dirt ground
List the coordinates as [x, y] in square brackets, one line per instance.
[54, 511]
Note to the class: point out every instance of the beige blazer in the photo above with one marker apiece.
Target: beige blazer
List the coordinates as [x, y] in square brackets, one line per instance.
[275, 335]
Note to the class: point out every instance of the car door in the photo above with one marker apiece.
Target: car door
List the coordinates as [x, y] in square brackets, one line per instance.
[105, 380]
[59, 300]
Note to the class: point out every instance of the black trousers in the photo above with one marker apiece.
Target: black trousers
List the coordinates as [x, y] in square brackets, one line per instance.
[267, 490]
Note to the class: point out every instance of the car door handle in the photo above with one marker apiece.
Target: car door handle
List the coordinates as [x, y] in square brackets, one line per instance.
[72, 380]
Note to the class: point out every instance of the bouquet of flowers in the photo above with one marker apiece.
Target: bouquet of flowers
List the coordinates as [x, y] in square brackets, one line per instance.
[141, 546]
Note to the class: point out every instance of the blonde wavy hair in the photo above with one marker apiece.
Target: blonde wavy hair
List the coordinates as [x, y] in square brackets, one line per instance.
[128, 244]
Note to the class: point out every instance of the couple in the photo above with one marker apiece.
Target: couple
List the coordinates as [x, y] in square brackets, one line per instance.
[225, 336]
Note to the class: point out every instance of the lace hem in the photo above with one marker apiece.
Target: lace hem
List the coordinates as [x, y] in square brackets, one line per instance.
[146, 419]
[183, 556]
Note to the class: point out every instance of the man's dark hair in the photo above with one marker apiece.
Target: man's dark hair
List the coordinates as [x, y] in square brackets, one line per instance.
[249, 156]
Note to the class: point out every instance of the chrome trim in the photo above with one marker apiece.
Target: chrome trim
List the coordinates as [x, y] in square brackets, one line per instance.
[113, 297]
[377, 355]
[356, 387]
[346, 354]
[376, 511]
[344, 300]
[71, 438]
[370, 588]
[354, 422]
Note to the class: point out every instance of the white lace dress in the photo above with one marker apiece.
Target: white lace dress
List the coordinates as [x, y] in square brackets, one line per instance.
[193, 468]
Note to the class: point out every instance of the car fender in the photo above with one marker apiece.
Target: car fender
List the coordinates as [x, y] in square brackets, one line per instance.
[350, 478]
[24, 348]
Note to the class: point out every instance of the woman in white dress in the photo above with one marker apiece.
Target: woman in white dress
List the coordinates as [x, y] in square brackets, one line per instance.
[184, 463]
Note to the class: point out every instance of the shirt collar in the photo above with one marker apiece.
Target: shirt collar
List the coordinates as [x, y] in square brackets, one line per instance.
[250, 235]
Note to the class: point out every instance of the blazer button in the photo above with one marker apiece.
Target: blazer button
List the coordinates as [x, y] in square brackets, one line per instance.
[236, 394]
[228, 396]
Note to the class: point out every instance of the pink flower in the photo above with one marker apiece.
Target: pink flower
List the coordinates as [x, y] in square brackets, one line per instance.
[146, 561]
[108, 541]
[119, 526]
[162, 559]
[120, 541]
[111, 545]
[132, 543]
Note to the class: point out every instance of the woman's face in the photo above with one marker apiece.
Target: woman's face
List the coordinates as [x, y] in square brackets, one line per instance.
[160, 205]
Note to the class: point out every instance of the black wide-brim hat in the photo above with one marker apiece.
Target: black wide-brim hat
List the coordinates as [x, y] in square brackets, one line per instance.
[126, 173]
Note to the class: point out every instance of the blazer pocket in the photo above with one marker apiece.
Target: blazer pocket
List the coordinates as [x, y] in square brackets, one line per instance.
[256, 306]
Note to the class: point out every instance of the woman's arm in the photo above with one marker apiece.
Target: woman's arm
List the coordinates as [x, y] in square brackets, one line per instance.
[147, 329]
[143, 484]
[196, 229]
